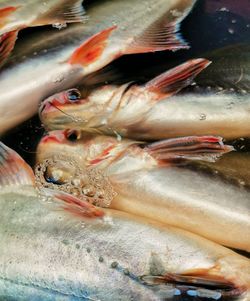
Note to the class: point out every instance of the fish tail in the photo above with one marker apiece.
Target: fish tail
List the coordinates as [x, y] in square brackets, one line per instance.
[68, 11]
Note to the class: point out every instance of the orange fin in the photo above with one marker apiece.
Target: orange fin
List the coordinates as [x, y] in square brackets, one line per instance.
[206, 148]
[14, 171]
[5, 12]
[68, 11]
[91, 49]
[7, 43]
[163, 34]
[175, 79]
[73, 205]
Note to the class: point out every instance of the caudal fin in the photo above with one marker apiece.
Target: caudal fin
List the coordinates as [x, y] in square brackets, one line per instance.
[206, 148]
[164, 33]
[68, 11]
[173, 80]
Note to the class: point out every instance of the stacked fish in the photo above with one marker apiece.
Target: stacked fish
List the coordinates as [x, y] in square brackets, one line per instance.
[119, 206]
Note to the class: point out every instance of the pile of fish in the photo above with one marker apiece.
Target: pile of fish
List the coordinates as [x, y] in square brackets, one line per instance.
[126, 201]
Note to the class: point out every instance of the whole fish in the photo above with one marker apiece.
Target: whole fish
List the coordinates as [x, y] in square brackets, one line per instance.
[150, 180]
[147, 112]
[19, 14]
[59, 61]
[48, 254]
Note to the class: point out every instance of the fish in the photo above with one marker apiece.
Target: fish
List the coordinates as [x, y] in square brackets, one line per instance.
[21, 14]
[168, 106]
[48, 252]
[59, 60]
[150, 180]
[115, 108]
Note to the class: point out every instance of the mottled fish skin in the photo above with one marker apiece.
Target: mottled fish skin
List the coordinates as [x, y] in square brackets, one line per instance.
[187, 198]
[32, 85]
[50, 254]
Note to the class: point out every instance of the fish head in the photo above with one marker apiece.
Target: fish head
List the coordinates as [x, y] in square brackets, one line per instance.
[70, 150]
[67, 110]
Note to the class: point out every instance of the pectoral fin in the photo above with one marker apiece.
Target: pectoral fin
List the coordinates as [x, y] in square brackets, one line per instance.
[205, 286]
[175, 79]
[14, 171]
[7, 43]
[207, 148]
[69, 203]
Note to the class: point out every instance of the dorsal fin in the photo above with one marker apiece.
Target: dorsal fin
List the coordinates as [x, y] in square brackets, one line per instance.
[91, 49]
[173, 80]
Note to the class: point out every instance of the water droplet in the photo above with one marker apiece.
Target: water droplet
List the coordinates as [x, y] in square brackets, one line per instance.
[231, 30]
[234, 21]
[224, 9]
[88, 250]
[203, 116]
[58, 78]
[59, 25]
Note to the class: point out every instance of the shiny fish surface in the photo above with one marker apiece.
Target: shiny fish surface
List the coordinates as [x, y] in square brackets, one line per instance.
[22, 86]
[50, 254]
[150, 181]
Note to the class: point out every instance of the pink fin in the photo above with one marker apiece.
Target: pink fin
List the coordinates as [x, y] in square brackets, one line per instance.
[206, 148]
[7, 43]
[14, 171]
[73, 205]
[176, 79]
[91, 49]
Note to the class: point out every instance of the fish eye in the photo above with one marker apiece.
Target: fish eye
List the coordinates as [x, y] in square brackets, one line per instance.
[73, 95]
[73, 135]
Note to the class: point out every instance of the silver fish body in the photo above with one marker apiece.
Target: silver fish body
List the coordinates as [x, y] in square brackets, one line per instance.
[183, 196]
[48, 254]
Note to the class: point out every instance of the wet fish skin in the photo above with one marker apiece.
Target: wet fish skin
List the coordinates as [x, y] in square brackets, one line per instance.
[32, 85]
[154, 186]
[138, 113]
[27, 13]
[76, 259]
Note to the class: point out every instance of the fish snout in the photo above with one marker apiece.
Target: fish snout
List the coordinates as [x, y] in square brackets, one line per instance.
[54, 136]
